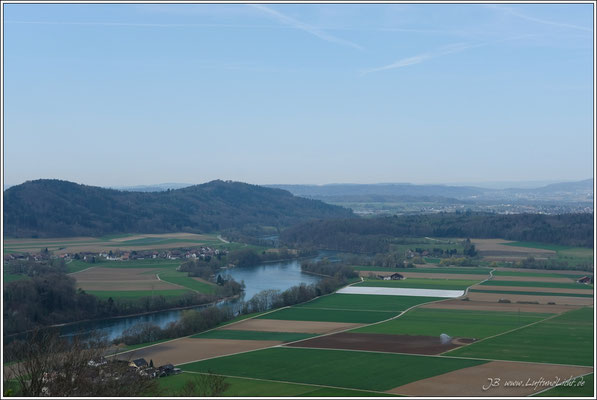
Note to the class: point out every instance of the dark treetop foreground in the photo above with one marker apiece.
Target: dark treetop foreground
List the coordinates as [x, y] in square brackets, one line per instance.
[54, 208]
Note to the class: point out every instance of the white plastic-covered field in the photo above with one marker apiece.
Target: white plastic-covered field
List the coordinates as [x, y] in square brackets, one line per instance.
[401, 291]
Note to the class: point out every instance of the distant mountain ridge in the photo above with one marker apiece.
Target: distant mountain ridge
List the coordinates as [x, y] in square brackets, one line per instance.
[576, 191]
[54, 208]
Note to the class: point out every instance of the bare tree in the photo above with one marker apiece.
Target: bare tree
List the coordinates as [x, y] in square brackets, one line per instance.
[52, 366]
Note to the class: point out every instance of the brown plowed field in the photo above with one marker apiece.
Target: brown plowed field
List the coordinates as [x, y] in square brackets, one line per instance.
[497, 247]
[559, 300]
[532, 279]
[188, 350]
[425, 275]
[98, 278]
[275, 325]
[495, 306]
[470, 381]
[378, 342]
[581, 290]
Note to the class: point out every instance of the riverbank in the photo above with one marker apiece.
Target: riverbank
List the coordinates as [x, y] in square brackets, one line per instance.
[119, 317]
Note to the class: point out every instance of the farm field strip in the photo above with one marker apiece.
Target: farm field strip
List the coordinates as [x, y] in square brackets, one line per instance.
[279, 325]
[455, 323]
[417, 275]
[560, 285]
[181, 279]
[428, 270]
[474, 381]
[376, 342]
[392, 291]
[531, 293]
[360, 302]
[415, 283]
[255, 387]
[529, 273]
[136, 294]
[537, 279]
[562, 339]
[319, 314]
[253, 335]
[339, 368]
[456, 304]
[529, 299]
[188, 350]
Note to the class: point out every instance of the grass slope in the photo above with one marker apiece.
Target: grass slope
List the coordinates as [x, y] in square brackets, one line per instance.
[565, 339]
[456, 323]
[366, 302]
[346, 369]
[317, 314]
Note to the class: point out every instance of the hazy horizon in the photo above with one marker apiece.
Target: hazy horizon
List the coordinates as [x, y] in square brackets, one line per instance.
[134, 94]
[487, 185]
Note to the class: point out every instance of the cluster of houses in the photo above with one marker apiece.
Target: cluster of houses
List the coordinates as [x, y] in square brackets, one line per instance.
[147, 369]
[119, 255]
[172, 254]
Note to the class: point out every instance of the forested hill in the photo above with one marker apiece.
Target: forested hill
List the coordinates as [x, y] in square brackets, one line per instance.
[54, 208]
[371, 235]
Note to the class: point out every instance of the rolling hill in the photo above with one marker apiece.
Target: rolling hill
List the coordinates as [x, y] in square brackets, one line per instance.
[54, 208]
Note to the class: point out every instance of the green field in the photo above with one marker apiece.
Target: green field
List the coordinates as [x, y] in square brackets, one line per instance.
[532, 293]
[579, 387]
[565, 339]
[344, 369]
[573, 255]
[252, 335]
[241, 387]
[136, 294]
[366, 302]
[166, 269]
[570, 275]
[439, 270]
[453, 284]
[182, 279]
[13, 277]
[560, 285]
[319, 314]
[456, 323]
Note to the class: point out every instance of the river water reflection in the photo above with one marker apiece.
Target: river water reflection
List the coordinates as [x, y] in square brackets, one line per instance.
[277, 276]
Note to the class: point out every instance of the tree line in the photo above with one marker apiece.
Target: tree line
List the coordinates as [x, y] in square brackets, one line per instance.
[49, 296]
[375, 235]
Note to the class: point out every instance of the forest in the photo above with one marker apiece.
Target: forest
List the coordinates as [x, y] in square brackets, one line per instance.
[374, 235]
[54, 208]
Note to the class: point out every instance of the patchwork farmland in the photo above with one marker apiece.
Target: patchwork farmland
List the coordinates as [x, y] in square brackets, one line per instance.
[383, 345]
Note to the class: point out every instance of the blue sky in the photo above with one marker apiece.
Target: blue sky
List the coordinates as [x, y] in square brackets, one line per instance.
[123, 94]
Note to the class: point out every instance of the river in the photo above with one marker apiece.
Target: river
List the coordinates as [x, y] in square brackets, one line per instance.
[277, 276]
